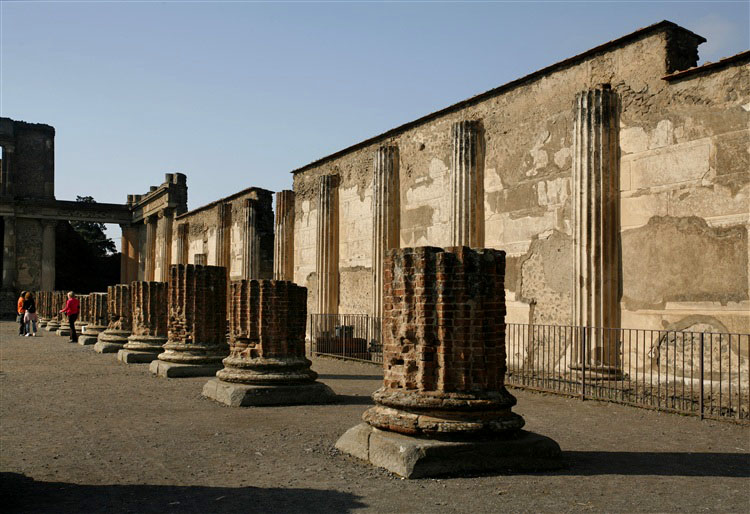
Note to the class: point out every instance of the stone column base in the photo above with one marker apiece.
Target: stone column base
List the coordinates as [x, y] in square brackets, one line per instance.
[87, 339]
[244, 395]
[42, 323]
[111, 341]
[133, 357]
[416, 457]
[165, 369]
[63, 331]
[52, 326]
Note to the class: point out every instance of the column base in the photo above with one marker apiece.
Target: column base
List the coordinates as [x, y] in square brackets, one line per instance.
[52, 326]
[111, 341]
[42, 323]
[165, 369]
[133, 357]
[63, 332]
[417, 457]
[87, 339]
[244, 395]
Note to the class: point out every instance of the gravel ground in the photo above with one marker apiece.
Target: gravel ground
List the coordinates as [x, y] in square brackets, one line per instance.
[81, 432]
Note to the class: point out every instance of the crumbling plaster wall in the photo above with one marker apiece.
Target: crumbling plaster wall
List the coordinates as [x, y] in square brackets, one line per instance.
[28, 253]
[527, 181]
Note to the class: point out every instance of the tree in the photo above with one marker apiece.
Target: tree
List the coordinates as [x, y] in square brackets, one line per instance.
[93, 233]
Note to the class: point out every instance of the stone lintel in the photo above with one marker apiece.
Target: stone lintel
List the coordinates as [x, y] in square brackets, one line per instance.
[416, 457]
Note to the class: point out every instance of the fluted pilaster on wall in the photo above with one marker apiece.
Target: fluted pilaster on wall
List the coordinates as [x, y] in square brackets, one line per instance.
[223, 234]
[165, 242]
[283, 245]
[251, 246]
[182, 243]
[386, 217]
[150, 253]
[327, 254]
[467, 184]
[596, 215]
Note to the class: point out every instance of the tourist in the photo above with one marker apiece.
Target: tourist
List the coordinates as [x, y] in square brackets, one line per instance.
[21, 311]
[71, 310]
[29, 305]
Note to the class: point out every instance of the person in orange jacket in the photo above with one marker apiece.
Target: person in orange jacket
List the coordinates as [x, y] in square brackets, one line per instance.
[21, 312]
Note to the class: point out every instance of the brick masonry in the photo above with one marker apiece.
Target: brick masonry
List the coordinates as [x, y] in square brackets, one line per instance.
[196, 326]
[267, 333]
[149, 307]
[444, 344]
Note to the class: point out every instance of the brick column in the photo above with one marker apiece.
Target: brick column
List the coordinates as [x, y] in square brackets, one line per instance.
[251, 240]
[327, 250]
[148, 302]
[267, 363]
[82, 320]
[444, 363]
[467, 185]
[120, 323]
[596, 220]
[386, 218]
[197, 307]
[98, 319]
[56, 303]
[283, 243]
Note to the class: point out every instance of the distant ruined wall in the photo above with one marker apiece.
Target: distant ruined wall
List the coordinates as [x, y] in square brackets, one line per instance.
[221, 232]
[683, 187]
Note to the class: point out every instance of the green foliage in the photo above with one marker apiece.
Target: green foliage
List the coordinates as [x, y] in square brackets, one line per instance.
[93, 233]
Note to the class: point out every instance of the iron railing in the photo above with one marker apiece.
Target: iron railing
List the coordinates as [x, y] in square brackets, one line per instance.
[348, 336]
[705, 374]
[700, 373]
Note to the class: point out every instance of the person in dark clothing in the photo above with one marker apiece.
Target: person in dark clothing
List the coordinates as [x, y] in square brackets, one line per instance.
[71, 310]
[29, 305]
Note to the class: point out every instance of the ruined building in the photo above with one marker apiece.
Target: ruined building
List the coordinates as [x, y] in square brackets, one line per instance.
[616, 181]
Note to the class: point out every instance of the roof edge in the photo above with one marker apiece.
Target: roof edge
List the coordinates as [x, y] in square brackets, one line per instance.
[224, 199]
[638, 34]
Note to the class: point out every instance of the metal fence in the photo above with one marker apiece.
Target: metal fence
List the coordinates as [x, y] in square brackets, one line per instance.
[700, 373]
[706, 374]
[348, 336]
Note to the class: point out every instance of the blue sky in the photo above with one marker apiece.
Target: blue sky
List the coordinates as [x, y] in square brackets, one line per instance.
[238, 94]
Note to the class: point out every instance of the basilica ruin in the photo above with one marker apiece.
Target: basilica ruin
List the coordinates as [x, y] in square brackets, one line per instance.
[617, 182]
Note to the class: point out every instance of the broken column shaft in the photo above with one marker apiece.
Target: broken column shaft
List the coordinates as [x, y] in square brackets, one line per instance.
[443, 407]
[196, 328]
[98, 319]
[118, 329]
[149, 332]
[267, 364]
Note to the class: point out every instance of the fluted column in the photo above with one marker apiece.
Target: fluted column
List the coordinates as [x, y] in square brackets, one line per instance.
[120, 323]
[165, 244]
[327, 251]
[266, 363]
[150, 250]
[182, 243]
[223, 234]
[196, 322]
[98, 318]
[129, 254]
[251, 240]
[283, 243]
[148, 301]
[596, 217]
[467, 185]
[386, 217]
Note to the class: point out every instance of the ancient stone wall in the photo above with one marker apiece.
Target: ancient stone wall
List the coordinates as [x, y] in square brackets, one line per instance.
[682, 167]
[220, 231]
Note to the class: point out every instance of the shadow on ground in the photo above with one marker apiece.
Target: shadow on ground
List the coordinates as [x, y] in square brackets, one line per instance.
[19, 493]
[656, 463]
[351, 377]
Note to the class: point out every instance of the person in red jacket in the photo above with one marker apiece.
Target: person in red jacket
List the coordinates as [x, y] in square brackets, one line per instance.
[21, 312]
[71, 310]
